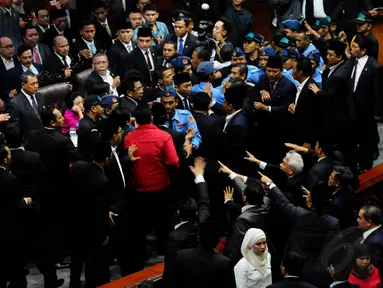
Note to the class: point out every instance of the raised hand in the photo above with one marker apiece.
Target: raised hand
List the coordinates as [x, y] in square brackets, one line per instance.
[228, 193]
[133, 148]
[224, 169]
[199, 166]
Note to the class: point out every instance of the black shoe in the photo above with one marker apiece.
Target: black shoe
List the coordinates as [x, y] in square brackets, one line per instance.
[59, 282]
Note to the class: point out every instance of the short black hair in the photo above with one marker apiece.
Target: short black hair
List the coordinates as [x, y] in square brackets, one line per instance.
[343, 175]
[159, 113]
[47, 115]
[254, 192]
[86, 23]
[242, 68]
[188, 209]
[304, 65]
[3, 153]
[159, 72]
[122, 115]
[204, 53]
[100, 89]
[236, 94]
[143, 115]
[226, 52]
[102, 151]
[29, 26]
[22, 48]
[325, 143]
[13, 140]
[99, 4]
[226, 25]
[293, 263]
[109, 127]
[171, 43]
[364, 43]
[373, 214]
[70, 98]
[185, 19]
[201, 101]
[150, 7]
[128, 83]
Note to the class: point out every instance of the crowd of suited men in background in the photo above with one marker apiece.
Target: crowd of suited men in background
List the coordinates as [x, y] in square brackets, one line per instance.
[204, 134]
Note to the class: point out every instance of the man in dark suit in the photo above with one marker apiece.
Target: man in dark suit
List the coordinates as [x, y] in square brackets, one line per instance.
[291, 269]
[72, 19]
[86, 46]
[186, 42]
[58, 28]
[365, 102]
[118, 9]
[31, 37]
[370, 223]
[42, 21]
[169, 52]
[183, 85]
[276, 93]
[105, 26]
[25, 108]
[142, 58]
[304, 106]
[101, 73]
[332, 8]
[7, 62]
[90, 217]
[235, 127]
[133, 93]
[118, 53]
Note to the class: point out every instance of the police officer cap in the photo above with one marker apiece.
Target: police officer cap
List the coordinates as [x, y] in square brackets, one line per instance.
[274, 62]
[92, 100]
[181, 78]
[292, 24]
[205, 67]
[254, 37]
[314, 55]
[284, 43]
[321, 23]
[109, 100]
[181, 13]
[125, 25]
[267, 51]
[144, 32]
[289, 54]
[238, 52]
[171, 92]
[181, 62]
[338, 46]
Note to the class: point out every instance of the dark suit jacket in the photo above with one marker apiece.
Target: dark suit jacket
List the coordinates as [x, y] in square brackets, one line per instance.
[375, 239]
[291, 282]
[319, 173]
[51, 33]
[127, 103]
[103, 36]
[178, 140]
[55, 65]
[80, 45]
[92, 79]
[13, 76]
[346, 285]
[342, 207]
[189, 45]
[138, 62]
[118, 57]
[306, 122]
[23, 117]
[3, 85]
[332, 8]
[45, 52]
[197, 267]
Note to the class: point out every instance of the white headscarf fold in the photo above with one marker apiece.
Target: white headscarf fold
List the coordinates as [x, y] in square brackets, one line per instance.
[259, 262]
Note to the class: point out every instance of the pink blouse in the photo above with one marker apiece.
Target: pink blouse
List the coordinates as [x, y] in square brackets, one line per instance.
[71, 120]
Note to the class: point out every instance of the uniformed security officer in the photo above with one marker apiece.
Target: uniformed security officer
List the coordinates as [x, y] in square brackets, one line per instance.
[290, 27]
[289, 56]
[180, 120]
[109, 103]
[314, 58]
[88, 132]
[264, 55]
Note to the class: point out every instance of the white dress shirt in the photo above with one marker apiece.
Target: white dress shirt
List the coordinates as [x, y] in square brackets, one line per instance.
[361, 63]
[33, 69]
[44, 29]
[229, 118]
[61, 33]
[109, 79]
[128, 47]
[180, 224]
[369, 232]
[67, 58]
[184, 42]
[9, 64]
[299, 90]
[150, 57]
[119, 164]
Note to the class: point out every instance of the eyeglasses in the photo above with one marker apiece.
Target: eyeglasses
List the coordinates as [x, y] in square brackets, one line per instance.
[8, 46]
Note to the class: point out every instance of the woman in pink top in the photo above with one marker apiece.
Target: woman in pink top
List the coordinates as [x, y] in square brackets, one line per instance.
[74, 112]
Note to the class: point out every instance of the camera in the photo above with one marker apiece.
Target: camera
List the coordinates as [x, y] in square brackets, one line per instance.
[205, 29]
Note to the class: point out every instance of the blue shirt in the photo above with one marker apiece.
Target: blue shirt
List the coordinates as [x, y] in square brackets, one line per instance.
[289, 75]
[162, 31]
[308, 51]
[317, 76]
[216, 94]
[254, 77]
[181, 122]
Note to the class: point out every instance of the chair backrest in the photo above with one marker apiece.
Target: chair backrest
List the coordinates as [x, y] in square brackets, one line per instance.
[81, 79]
[55, 93]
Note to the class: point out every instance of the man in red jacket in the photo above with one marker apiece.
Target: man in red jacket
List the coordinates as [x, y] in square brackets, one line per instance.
[151, 152]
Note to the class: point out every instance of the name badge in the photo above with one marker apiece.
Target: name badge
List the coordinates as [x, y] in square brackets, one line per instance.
[181, 125]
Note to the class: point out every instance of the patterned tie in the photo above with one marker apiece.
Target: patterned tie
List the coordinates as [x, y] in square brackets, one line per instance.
[66, 66]
[34, 106]
[181, 47]
[36, 56]
[150, 67]
[107, 29]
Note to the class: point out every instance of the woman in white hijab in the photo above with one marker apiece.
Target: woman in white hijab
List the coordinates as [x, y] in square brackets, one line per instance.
[254, 269]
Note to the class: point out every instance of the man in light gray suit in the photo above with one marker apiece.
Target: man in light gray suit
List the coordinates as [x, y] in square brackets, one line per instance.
[283, 10]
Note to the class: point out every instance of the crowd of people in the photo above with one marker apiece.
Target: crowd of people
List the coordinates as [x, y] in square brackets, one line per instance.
[202, 131]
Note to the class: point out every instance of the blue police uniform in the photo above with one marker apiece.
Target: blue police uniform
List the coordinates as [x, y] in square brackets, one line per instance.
[317, 76]
[216, 94]
[309, 50]
[181, 122]
[254, 77]
[289, 75]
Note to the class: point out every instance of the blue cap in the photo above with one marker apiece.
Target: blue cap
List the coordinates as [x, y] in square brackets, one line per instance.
[171, 92]
[109, 100]
[205, 68]
[238, 52]
[314, 55]
[363, 18]
[254, 37]
[285, 42]
[292, 24]
[181, 62]
[267, 51]
[321, 23]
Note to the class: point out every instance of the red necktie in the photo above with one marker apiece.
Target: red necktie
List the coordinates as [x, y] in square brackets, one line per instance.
[272, 88]
[66, 66]
[36, 56]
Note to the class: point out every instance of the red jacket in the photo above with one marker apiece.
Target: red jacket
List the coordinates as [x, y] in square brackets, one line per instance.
[157, 152]
[372, 281]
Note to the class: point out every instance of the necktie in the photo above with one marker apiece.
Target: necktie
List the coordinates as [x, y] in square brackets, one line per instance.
[272, 88]
[181, 47]
[29, 69]
[66, 66]
[36, 56]
[129, 48]
[119, 164]
[107, 29]
[34, 106]
[353, 77]
[93, 48]
[186, 104]
[150, 67]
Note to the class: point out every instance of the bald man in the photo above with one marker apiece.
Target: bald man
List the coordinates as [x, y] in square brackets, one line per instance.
[7, 62]
[60, 60]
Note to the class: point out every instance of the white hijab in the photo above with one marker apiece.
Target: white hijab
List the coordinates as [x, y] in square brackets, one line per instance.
[259, 262]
